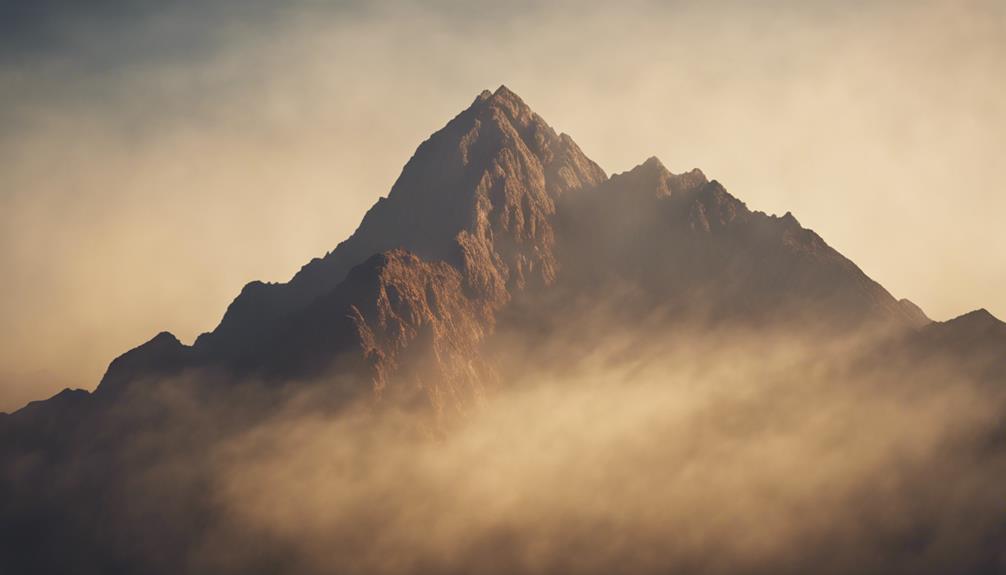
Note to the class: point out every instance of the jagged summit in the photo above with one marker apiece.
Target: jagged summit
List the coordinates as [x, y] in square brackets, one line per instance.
[653, 177]
[504, 98]
[477, 194]
[496, 204]
[500, 94]
[652, 162]
[692, 245]
[501, 258]
[503, 91]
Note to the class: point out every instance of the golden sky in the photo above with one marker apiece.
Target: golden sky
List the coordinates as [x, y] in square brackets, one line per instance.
[156, 158]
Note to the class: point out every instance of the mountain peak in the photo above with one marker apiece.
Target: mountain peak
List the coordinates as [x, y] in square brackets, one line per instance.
[978, 317]
[652, 176]
[506, 94]
[501, 92]
[162, 355]
[478, 194]
[653, 163]
[506, 101]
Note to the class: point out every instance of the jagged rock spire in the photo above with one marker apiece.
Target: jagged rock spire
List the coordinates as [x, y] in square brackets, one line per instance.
[477, 194]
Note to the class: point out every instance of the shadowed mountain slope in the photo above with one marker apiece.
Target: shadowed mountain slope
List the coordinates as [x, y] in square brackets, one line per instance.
[497, 204]
[974, 343]
[499, 230]
[477, 194]
[473, 207]
[685, 243]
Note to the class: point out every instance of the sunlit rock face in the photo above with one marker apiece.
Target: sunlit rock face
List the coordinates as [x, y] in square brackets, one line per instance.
[478, 194]
[406, 327]
[517, 364]
[495, 205]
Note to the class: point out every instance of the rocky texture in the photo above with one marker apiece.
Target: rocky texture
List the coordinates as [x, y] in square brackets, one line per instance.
[424, 331]
[477, 194]
[404, 326]
[473, 207]
[683, 242]
[496, 204]
[495, 217]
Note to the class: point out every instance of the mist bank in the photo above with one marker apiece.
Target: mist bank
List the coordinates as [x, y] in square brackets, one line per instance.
[709, 451]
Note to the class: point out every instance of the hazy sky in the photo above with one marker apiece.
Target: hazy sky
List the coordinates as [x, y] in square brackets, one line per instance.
[155, 156]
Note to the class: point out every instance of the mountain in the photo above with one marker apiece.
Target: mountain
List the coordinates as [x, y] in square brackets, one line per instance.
[499, 229]
[495, 204]
[478, 194]
[472, 208]
[974, 343]
[686, 243]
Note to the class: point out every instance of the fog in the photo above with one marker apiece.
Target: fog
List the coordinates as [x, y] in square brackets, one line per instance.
[154, 159]
[648, 450]
[701, 452]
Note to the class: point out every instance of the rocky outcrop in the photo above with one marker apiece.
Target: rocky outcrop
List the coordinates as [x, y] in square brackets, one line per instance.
[684, 242]
[160, 357]
[498, 226]
[477, 194]
[422, 334]
[473, 210]
[397, 328]
[495, 204]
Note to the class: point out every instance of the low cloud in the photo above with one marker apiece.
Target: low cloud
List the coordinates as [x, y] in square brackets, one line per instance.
[706, 452]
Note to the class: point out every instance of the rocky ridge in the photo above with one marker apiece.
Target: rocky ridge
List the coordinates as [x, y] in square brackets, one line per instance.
[495, 205]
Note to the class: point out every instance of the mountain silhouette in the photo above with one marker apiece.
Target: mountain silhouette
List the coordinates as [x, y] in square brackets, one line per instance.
[498, 227]
[497, 204]
[473, 208]
[687, 243]
[478, 194]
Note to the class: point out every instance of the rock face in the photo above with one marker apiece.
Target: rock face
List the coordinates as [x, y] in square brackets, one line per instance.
[496, 221]
[478, 194]
[401, 325]
[473, 208]
[497, 204]
[683, 242]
